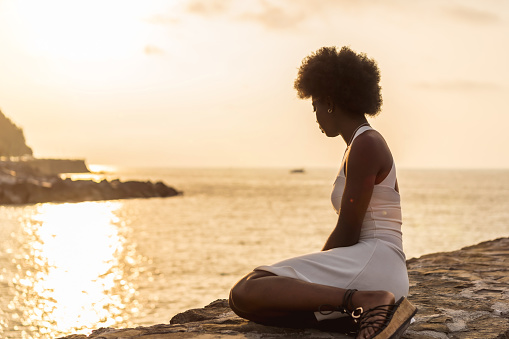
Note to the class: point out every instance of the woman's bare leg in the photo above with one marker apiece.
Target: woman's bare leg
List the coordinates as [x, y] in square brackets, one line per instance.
[262, 296]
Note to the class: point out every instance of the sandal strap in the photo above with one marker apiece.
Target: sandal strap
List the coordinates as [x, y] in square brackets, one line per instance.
[348, 305]
[345, 307]
[347, 300]
[384, 311]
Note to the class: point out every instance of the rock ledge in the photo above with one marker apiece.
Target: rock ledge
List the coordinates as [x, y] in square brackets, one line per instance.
[37, 181]
[460, 294]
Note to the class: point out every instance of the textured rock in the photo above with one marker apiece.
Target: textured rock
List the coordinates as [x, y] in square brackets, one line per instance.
[12, 139]
[44, 167]
[57, 190]
[22, 184]
[461, 294]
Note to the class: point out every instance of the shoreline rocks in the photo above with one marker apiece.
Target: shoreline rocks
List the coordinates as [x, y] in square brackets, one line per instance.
[32, 192]
[460, 294]
[25, 183]
[45, 167]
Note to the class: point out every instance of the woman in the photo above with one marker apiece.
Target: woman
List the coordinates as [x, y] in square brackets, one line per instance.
[361, 269]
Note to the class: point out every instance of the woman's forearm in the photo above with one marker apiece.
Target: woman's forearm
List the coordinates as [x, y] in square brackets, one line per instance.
[333, 241]
[344, 234]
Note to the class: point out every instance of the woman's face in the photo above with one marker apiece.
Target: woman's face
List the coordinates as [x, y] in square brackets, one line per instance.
[325, 119]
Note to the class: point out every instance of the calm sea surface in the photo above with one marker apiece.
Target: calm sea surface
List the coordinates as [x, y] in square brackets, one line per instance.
[71, 268]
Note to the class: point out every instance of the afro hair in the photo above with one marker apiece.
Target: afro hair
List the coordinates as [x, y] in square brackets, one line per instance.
[351, 80]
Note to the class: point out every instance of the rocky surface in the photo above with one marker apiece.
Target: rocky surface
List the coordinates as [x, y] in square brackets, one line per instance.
[29, 183]
[39, 191]
[461, 294]
[12, 139]
[44, 167]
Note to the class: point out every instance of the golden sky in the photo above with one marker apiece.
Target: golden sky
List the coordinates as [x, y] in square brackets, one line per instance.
[210, 82]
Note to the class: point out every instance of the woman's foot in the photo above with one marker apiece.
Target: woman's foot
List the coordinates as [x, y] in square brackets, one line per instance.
[369, 300]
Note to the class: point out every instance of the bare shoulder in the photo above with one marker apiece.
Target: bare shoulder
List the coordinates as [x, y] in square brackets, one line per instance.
[370, 149]
[371, 142]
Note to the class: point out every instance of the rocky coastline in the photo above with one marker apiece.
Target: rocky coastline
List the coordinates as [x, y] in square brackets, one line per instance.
[38, 181]
[462, 294]
[43, 167]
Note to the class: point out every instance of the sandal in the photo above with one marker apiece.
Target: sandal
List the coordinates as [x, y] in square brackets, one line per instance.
[345, 307]
[397, 319]
[347, 324]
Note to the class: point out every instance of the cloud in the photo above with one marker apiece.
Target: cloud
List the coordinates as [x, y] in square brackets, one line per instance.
[274, 17]
[457, 85]
[472, 15]
[208, 7]
[153, 50]
[272, 14]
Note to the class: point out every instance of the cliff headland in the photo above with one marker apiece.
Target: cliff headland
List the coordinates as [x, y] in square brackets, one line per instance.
[28, 180]
[460, 294]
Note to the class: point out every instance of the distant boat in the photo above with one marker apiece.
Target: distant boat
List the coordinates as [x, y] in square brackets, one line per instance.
[297, 170]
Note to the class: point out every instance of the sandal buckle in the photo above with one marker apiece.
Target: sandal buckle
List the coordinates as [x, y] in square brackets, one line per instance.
[357, 313]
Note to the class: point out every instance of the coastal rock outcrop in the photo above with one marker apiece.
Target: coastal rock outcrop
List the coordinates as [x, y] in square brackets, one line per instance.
[28, 180]
[23, 182]
[58, 190]
[44, 167]
[12, 139]
[460, 294]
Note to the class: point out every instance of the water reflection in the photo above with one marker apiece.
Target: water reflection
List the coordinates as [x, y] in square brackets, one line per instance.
[74, 270]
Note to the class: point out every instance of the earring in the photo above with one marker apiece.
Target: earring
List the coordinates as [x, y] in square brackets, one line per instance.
[329, 110]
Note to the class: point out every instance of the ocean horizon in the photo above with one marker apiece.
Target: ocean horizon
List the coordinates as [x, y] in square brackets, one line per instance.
[73, 267]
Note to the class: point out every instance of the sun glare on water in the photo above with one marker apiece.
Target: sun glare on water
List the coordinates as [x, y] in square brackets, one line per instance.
[75, 273]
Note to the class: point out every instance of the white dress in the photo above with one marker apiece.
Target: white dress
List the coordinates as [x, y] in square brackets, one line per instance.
[376, 262]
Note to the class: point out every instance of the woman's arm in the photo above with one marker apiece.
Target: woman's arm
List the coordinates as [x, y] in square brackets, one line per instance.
[363, 163]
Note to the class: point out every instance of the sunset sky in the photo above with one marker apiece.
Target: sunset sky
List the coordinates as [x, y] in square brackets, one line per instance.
[210, 82]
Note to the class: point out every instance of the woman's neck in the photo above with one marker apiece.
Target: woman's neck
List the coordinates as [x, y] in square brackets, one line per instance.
[349, 126]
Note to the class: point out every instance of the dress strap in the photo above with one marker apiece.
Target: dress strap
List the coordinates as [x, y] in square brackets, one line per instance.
[390, 179]
[360, 131]
[357, 133]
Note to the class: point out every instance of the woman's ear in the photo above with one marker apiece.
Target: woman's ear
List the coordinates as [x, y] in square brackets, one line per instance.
[330, 104]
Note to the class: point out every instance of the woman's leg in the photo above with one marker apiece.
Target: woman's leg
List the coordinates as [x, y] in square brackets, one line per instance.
[264, 297]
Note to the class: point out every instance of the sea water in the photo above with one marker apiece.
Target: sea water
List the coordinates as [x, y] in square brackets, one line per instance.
[71, 268]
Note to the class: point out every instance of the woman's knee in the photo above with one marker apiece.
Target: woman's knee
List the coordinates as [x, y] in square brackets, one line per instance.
[241, 292]
[244, 295]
